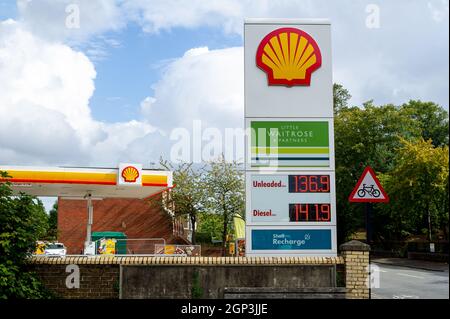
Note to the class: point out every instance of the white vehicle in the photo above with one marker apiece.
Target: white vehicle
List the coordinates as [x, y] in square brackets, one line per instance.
[55, 249]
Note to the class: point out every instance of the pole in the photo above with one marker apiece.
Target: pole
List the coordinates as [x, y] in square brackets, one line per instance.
[90, 209]
[369, 211]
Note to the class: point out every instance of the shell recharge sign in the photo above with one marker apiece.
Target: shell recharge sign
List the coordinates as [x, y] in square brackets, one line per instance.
[289, 163]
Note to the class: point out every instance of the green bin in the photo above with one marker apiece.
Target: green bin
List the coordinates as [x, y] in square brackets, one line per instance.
[121, 245]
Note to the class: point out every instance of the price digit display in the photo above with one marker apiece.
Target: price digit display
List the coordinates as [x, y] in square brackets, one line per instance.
[309, 212]
[309, 183]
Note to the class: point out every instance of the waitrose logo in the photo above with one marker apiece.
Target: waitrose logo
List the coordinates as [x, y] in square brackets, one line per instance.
[271, 184]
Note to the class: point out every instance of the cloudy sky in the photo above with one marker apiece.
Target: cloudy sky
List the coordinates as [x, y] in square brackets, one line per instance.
[111, 86]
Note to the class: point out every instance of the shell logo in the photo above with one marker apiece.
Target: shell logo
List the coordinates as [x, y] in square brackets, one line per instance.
[130, 174]
[288, 56]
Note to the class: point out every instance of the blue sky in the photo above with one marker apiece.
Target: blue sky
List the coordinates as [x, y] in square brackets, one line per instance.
[128, 71]
[8, 9]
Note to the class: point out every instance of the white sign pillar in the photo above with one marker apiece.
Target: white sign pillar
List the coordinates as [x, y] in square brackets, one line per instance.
[290, 180]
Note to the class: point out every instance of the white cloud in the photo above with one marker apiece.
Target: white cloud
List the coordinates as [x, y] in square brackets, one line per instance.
[44, 95]
[164, 15]
[397, 62]
[227, 15]
[203, 84]
[146, 106]
[438, 11]
[54, 20]
[44, 105]
[48, 18]
[115, 148]
[80, 24]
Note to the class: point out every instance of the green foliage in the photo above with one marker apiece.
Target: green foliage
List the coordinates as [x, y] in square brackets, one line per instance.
[340, 97]
[430, 119]
[202, 237]
[363, 136]
[210, 225]
[52, 232]
[22, 222]
[418, 188]
[188, 196]
[225, 187]
[373, 135]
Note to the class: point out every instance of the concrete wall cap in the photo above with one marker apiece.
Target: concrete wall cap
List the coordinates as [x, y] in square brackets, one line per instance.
[354, 245]
[147, 260]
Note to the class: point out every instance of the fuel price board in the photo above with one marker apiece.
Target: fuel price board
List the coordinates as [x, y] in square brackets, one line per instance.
[291, 198]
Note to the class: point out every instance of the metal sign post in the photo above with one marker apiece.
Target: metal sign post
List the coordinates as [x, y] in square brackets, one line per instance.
[369, 232]
[368, 190]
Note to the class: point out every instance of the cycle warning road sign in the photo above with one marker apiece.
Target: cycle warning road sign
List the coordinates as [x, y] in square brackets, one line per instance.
[368, 189]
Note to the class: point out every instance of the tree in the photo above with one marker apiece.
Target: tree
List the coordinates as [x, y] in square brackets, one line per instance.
[187, 197]
[341, 96]
[419, 189]
[210, 225]
[430, 119]
[22, 222]
[52, 232]
[373, 135]
[364, 136]
[225, 186]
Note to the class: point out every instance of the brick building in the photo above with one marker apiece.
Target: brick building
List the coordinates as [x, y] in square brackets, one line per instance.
[134, 217]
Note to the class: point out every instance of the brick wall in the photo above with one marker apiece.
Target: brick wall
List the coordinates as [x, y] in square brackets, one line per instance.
[136, 218]
[96, 281]
[100, 275]
[356, 256]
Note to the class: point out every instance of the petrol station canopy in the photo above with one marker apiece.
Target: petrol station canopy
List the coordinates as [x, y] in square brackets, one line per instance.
[126, 181]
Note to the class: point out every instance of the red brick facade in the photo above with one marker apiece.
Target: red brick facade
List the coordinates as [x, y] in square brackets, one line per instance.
[134, 217]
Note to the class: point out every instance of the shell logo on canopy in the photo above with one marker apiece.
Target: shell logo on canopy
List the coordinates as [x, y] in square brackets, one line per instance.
[130, 174]
[289, 56]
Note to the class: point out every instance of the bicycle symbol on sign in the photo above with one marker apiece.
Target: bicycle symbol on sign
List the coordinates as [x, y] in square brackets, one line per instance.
[368, 190]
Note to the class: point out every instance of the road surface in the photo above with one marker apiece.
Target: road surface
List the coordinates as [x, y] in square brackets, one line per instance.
[399, 282]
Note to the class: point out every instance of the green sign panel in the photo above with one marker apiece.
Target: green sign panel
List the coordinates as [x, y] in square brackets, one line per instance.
[290, 144]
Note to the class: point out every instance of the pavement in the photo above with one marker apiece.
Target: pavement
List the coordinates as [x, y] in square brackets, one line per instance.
[400, 278]
[411, 263]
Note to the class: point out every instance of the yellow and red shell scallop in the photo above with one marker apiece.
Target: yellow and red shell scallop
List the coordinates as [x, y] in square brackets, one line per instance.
[130, 174]
[288, 56]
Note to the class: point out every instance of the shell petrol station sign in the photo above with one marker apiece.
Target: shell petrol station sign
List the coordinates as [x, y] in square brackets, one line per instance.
[130, 174]
[290, 178]
[288, 56]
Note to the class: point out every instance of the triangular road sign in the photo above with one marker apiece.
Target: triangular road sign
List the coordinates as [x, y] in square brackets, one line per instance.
[368, 189]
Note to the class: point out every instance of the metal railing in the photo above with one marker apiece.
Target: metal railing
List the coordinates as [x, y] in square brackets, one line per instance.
[149, 247]
[178, 250]
[140, 246]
